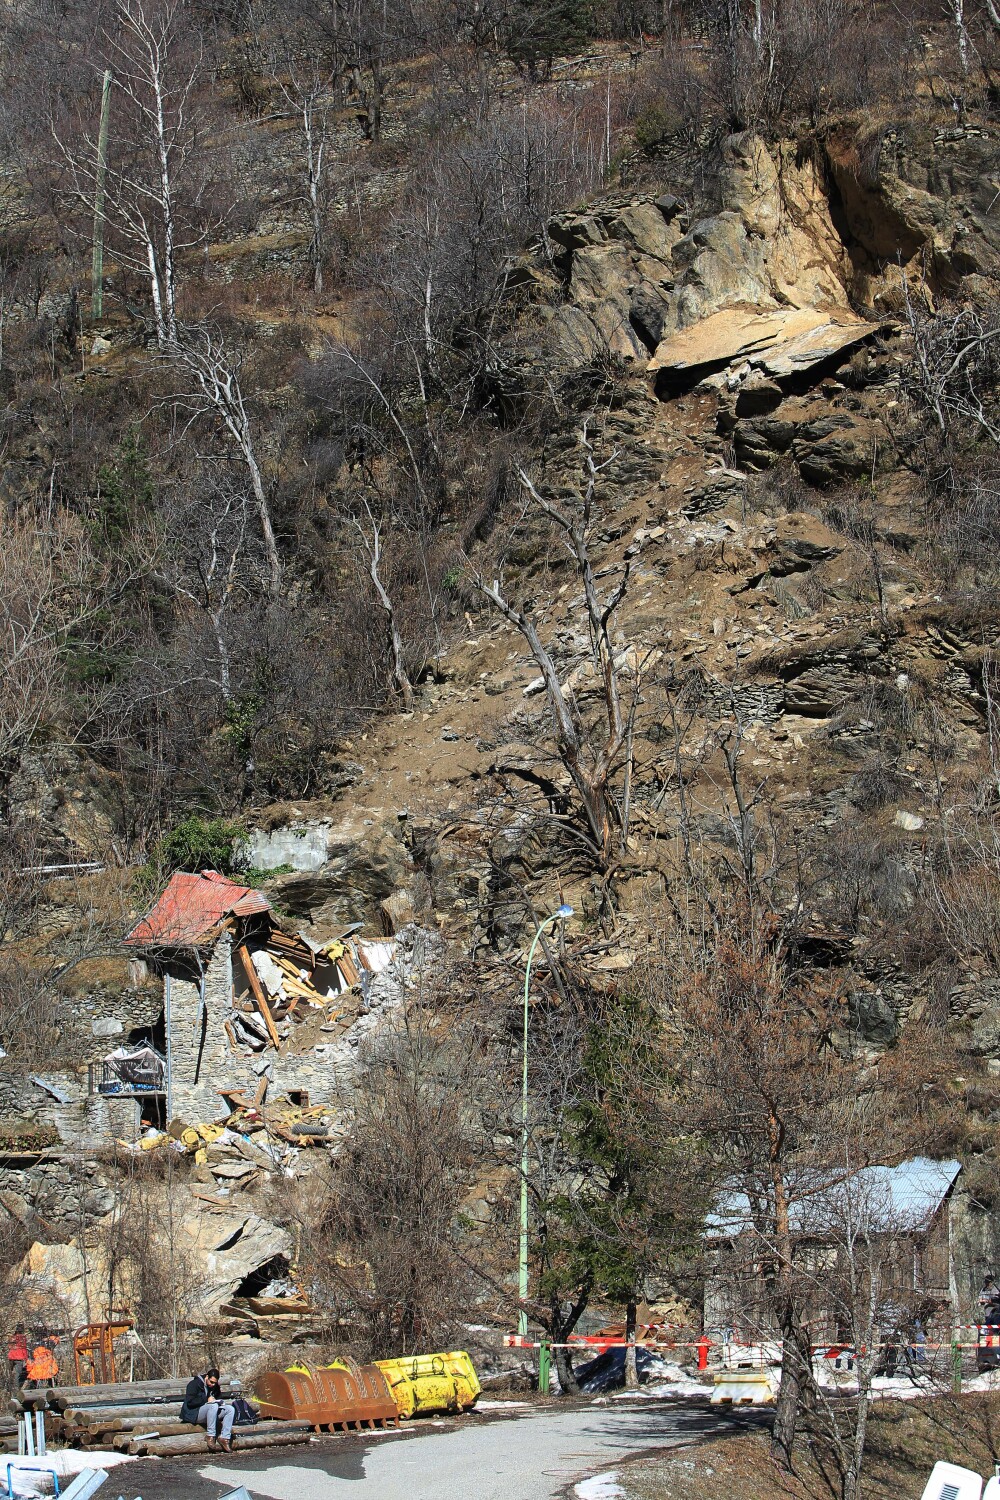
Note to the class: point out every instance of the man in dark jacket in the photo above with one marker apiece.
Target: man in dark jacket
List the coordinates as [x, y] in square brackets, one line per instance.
[203, 1404]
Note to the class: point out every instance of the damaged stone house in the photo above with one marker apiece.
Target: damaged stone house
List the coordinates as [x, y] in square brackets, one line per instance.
[249, 1008]
[239, 1066]
[929, 1240]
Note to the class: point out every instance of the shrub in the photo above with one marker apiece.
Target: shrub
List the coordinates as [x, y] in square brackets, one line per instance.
[203, 844]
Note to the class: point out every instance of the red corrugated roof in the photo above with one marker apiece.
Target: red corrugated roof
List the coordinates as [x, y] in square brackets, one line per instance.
[191, 906]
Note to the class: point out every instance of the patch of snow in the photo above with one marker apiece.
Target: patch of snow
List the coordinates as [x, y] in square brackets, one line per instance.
[901, 1387]
[683, 1385]
[989, 1380]
[66, 1462]
[499, 1405]
[898, 1387]
[600, 1487]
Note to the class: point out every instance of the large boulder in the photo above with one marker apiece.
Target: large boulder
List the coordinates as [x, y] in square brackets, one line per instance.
[366, 862]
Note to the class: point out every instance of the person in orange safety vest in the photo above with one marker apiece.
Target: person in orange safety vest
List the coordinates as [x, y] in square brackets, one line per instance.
[43, 1367]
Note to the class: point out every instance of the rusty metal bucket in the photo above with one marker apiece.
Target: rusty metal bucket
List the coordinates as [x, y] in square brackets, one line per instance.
[340, 1397]
[289, 1395]
[360, 1394]
[378, 1402]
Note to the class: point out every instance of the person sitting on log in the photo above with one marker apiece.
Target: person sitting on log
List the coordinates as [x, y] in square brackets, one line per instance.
[203, 1405]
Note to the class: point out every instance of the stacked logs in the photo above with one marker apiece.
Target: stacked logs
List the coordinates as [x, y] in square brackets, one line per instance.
[141, 1418]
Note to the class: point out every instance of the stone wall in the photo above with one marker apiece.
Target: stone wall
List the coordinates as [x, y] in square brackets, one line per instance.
[102, 1020]
[87, 1122]
[200, 1056]
[202, 1059]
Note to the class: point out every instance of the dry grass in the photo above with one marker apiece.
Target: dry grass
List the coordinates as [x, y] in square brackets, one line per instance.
[905, 1441]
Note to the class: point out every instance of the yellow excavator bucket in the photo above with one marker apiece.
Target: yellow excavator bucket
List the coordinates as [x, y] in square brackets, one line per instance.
[425, 1383]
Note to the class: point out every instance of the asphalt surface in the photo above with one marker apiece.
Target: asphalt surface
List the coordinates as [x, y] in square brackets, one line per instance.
[530, 1454]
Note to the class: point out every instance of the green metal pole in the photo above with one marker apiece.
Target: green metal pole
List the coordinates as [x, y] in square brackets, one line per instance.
[522, 1264]
[956, 1365]
[97, 263]
[544, 1361]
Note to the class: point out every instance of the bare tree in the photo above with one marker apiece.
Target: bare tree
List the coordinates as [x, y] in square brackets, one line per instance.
[956, 360]
[590, 756]
[214, 389]
[765, 1087]
[389, 1247]
[205, 558]
[156, 62]
[371, 543]
[308, 90]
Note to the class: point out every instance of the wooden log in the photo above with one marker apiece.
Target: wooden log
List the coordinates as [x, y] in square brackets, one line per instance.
[255, 1439]
[28, 1400]
[170, 1447]
[97, 1416]
[121, 1391]
[98, 1428]
[196, 1438]
[153, 1430]
[257, 990]
[281, 1435]
[169, 1418]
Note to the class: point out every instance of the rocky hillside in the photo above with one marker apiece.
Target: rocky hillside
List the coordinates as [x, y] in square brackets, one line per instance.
[686, 527]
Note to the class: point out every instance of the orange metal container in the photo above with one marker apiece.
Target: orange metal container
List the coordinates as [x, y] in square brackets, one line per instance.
[289, 1395]
[338, 1397]
[378, 1402]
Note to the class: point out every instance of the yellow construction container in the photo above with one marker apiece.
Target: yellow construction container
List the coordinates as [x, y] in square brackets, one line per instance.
[425, 1383]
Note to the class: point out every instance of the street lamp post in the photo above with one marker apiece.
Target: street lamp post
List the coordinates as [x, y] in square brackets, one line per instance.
[522, 1265]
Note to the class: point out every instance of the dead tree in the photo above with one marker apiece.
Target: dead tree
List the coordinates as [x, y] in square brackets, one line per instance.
[956, 357]
[205, 555]
[371, 542]
[214, 390]
[590, 756]
[309, 96]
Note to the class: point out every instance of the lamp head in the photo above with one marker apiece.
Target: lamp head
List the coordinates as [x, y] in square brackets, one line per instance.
[564, 911]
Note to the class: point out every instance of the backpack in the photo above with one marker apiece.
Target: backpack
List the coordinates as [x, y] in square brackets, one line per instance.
[244, 1415]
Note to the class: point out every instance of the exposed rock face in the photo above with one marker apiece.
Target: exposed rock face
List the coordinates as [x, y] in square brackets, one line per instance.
[915, 195]
[637, 274]
[223, 1248]
[615, 258]
[209, 1253]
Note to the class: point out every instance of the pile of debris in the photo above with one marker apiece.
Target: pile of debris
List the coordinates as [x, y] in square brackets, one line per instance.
[253, 1137]
[280, 976]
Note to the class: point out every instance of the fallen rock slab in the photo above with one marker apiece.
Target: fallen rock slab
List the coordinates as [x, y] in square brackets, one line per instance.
[781, 344]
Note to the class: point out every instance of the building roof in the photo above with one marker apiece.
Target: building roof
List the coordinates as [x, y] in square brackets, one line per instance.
[191, 907]
[889, 1200]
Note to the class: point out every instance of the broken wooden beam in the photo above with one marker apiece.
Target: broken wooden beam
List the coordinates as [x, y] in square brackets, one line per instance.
[257, 990]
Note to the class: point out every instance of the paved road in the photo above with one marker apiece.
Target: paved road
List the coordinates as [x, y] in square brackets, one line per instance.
[532, 1455]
